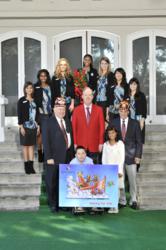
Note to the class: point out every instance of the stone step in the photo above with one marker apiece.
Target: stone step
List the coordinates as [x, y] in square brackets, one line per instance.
[152, 167]
[151, 190]
[161, 147]
[155, 128]
[10, 156]
[17, 167]
[151, 178]
[20, 179]
[19, 203]
[155, 136]
[154, 156]
[19, 190]
[10, 146]
[153, 203]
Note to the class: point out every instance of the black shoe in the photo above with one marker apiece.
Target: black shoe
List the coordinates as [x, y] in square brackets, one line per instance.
[26, 167]
[32, 171]
[134, 205]
[121, 206]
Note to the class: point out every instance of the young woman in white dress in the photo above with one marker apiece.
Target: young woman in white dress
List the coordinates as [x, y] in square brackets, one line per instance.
[114, 153]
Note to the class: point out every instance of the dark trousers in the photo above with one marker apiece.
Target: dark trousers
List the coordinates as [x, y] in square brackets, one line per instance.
[52, 184]
[96, 157]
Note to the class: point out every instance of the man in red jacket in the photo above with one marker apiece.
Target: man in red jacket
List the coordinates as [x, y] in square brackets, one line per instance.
[88, 126]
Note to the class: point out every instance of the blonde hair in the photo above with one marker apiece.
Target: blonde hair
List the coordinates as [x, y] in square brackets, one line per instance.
[105, 59]
[57, 71]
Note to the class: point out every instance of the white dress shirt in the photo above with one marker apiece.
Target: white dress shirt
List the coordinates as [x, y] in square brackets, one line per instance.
[64, 124]
[126, 122]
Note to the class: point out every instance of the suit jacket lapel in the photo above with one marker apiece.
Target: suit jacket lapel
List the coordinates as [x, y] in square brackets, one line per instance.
[92, 114]
[84, 115]
[128, 128]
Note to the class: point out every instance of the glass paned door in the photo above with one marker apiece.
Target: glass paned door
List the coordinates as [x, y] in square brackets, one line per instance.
[22, 54]
[160, 75]
[74, 45]
[148, 64]
[32, 58]
[9, 62]
[70, 47]
[141, 64]
[103, 44]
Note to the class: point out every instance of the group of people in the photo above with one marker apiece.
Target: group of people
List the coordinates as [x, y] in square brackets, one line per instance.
[108, 126]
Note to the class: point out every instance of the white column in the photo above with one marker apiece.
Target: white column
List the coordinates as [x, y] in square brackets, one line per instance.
[3, 102]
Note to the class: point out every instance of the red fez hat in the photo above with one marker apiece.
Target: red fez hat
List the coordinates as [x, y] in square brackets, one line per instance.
[60, 102]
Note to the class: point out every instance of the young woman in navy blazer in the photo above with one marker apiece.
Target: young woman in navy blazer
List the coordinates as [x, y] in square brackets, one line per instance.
[28, 126]
[91, 72]
[63, 84]
[43, 96]
[117, 93]
[104, 82]
[138, 104]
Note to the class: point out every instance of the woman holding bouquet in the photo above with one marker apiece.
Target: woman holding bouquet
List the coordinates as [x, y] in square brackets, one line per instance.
[63, 84]
[105, 80]
[91, 73]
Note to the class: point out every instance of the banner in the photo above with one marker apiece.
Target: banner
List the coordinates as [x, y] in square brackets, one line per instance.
[88, 185]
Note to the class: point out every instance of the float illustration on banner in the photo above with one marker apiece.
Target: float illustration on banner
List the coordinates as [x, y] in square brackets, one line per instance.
[88, 185]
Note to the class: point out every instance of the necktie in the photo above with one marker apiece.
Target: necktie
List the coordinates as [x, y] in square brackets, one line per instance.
[123, 130]
[64, 133]
[87, 115]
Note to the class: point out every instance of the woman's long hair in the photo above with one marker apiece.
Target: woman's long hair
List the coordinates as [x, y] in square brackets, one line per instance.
[105, 59]
[27, 84]
[45, 71]
[123, 73]
[91, 58]
[134, 79]
[58, 72]
[112, 128]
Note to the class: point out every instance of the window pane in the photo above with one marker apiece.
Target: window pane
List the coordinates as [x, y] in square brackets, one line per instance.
[32, 53]
[141, 64]
[10, 74]
[102, 47]
[161, 75]
[71, 49]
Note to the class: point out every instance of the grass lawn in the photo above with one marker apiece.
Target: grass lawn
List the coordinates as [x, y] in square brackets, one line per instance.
[135, 230]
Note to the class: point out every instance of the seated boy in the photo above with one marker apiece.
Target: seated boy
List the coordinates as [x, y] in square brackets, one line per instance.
[81, 158]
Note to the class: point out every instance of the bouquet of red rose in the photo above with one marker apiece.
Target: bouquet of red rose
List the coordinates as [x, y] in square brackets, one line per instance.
[80, 82]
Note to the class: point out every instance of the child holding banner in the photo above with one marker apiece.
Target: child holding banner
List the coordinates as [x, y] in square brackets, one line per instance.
[114, 153]
[81, 158]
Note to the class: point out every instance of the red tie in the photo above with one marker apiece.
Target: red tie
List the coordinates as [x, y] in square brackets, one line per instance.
[64, 133]
[123, 130]
[88, 115]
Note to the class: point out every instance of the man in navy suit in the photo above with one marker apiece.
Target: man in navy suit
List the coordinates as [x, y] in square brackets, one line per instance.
[130, 133]
[57, 142]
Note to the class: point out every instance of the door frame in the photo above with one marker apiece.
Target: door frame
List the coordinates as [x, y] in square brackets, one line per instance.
[86, 45]
[65, 36]
[152, 118]
[20, 35]
[106, 35]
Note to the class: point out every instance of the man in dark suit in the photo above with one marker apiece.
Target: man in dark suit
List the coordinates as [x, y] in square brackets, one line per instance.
[57, 142]
[130, 133]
